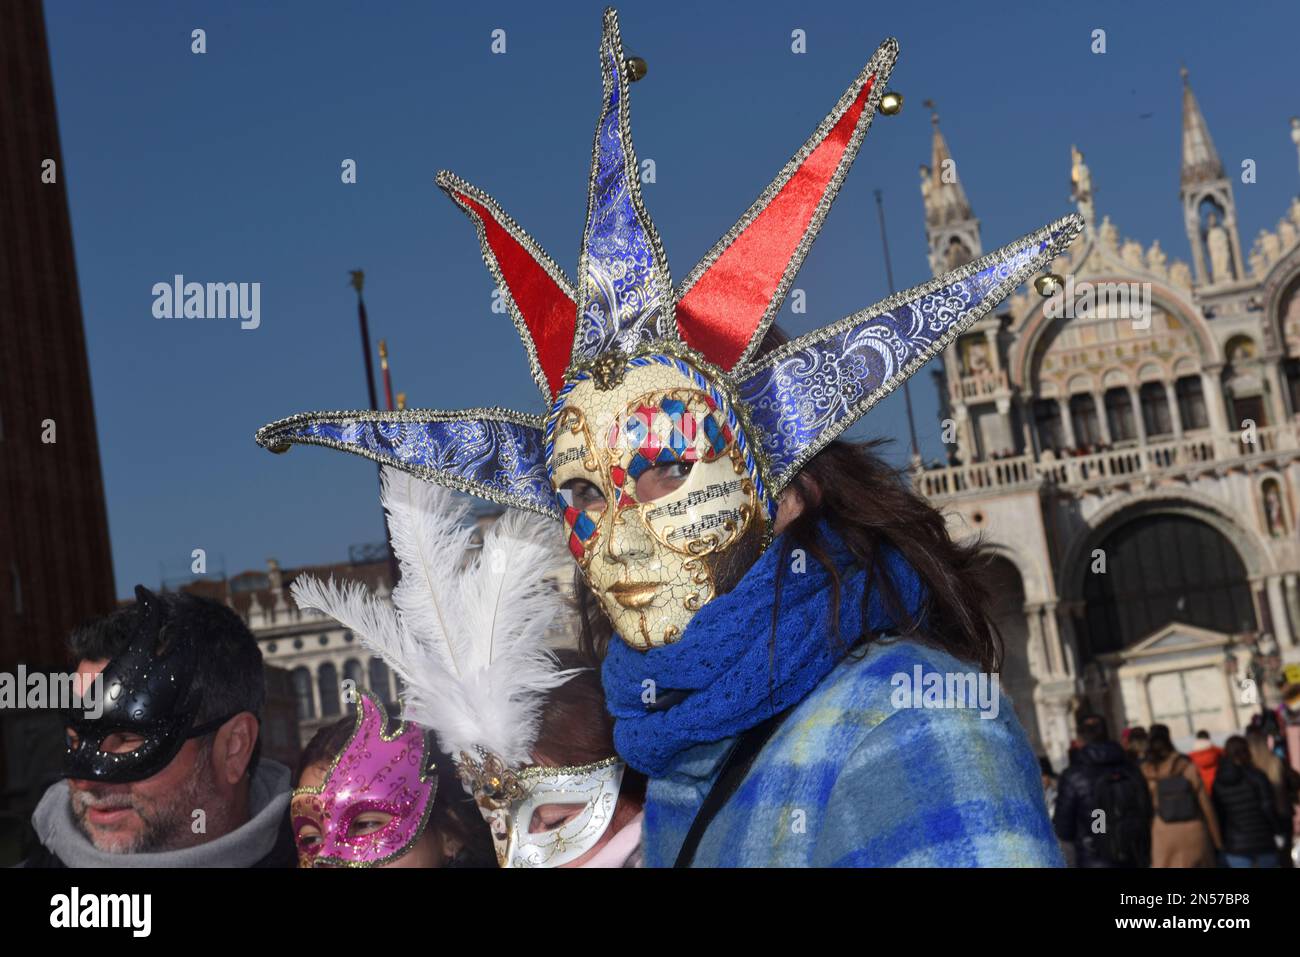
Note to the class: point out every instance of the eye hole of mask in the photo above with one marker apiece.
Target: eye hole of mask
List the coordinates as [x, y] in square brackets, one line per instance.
[118, 742]
[308, 837]
[661, 480]
[367, 823]
[583, 495]
[551, 817]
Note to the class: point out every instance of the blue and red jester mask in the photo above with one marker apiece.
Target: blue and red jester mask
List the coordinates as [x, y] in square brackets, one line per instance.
[667, 438]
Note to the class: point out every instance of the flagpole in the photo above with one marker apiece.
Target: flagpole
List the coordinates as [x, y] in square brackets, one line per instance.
[889, 275]
[358, 280]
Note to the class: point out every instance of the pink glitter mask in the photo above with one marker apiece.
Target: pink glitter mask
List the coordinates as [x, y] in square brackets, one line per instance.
[373, 772]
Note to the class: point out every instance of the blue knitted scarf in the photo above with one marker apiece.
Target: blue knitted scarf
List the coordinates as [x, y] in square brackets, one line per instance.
[734, 671]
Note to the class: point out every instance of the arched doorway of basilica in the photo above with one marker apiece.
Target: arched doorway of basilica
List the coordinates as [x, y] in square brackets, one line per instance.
[1159, 569]
[1160, 625]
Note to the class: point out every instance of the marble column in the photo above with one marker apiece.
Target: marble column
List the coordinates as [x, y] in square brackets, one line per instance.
[1057, 638]
[1277, 608]
[1139, 421]
[1052, 703]
[313, 674]
[1103, 423]
[1276, 399]
[1216, 411]
[1291, 594]
[1175, 413]
[1067, 427]
[1035, 647]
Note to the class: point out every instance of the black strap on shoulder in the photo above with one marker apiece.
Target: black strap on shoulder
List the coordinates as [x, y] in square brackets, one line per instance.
[734, 768]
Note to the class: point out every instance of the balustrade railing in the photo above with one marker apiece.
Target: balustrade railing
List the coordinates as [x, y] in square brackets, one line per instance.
[1111, 466]
[980, 384]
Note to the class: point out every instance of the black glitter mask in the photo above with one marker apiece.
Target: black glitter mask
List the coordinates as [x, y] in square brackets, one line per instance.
[147, 691]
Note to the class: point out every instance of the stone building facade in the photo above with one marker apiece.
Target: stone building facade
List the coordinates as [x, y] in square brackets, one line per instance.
[316, 652]
[1130, 450]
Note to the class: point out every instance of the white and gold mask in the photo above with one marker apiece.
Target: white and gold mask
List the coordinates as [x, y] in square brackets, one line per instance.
[513, 802]
[661, 505]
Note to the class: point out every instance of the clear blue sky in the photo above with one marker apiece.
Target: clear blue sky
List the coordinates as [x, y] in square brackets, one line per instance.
[225, 167]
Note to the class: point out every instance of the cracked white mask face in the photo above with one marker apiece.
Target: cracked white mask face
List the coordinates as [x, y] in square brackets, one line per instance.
[660, 510]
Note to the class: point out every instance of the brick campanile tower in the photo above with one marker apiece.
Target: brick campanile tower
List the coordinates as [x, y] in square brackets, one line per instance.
[56, 569]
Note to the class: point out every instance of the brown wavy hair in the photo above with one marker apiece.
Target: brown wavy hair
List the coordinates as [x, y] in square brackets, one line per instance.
[576, 728]
[872, 505]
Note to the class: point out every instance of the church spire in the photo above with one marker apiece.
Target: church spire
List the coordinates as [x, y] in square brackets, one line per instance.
[1209, 210]
[1201, 162]
[945, 200]
[950, 226]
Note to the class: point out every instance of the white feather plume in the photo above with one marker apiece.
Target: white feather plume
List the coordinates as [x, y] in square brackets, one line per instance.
[466, 627]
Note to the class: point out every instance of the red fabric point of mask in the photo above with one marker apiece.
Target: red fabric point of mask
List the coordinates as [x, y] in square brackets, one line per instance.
[722, 311]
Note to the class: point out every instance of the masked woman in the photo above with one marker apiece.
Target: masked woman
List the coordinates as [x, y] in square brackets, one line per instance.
[783, 693]
[368, 795]
[530, 739]
[804, 664]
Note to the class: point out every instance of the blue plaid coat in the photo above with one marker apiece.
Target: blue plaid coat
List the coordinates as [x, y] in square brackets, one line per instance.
[850, 780]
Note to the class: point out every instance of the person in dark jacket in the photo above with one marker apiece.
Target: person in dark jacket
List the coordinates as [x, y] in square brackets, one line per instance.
[1103, 806]
[1247, 809]
[163, 745]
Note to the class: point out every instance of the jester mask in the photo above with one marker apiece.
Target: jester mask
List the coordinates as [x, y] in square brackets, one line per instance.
[668, 436]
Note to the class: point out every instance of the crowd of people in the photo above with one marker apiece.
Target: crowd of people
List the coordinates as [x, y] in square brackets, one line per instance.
[1140, 802]
[197, 793]
[201, 795]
